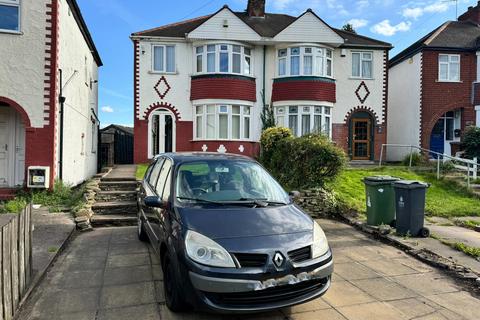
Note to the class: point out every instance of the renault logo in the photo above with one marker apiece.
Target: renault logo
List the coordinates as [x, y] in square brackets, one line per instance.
[278, 259]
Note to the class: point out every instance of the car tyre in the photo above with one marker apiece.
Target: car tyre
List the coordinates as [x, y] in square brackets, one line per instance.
[142, 235]
[173, 297]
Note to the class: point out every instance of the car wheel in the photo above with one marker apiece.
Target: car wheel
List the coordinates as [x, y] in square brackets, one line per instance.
[173, 298]
[142, 235]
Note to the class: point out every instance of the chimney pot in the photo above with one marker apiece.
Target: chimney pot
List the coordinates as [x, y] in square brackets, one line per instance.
[256, 8]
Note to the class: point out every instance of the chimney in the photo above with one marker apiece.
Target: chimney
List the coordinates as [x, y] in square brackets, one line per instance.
[256, 8]
[472, 14]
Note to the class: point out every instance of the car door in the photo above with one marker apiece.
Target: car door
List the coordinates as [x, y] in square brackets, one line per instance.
[148, 190]
[163, 191]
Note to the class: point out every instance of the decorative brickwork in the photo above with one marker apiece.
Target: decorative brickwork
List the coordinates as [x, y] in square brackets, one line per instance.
[385, 89]
[304, 89]
[162, 87]
[223, 87]
[362, 109]
[162, 105]
[362, 92]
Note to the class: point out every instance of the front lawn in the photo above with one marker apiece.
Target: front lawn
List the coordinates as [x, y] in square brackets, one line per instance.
[141, 169]
[444, 198]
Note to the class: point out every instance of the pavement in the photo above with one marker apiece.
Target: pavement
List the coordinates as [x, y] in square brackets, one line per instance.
[109, 274]
[119, 172]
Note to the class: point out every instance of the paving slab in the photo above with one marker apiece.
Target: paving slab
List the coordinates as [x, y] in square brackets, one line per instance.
[121, 279]
[457, 234]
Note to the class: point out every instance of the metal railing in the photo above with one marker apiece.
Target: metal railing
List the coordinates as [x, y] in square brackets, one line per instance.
[470, 166]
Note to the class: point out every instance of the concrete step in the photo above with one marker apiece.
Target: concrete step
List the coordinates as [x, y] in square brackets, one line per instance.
[115, 195]
[118, 185]
[109, 179]
[115, 208]
[113, 221]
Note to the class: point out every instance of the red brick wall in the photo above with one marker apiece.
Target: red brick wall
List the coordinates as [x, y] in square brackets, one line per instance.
[236, 88]
[441, 97]
[304, 90]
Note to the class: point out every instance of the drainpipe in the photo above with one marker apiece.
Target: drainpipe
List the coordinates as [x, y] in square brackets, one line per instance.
[61, 99]
[264, 72]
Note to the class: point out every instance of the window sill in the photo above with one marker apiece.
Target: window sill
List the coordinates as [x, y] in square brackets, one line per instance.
[360, 78]
[162, 72]
[19, 33]
[448, 81]
[223, 74]
[305, 76]
[222, 140]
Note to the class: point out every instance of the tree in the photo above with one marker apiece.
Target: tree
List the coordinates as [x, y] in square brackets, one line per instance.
[267, 116]
[348, 27]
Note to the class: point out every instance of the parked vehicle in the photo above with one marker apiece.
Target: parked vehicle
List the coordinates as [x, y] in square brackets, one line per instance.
[229, 237]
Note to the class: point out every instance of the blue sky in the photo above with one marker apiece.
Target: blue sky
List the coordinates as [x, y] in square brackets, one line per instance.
[112, 21]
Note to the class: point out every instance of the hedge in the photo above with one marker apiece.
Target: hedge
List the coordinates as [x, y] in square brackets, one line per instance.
[471, 142]
[304, 162]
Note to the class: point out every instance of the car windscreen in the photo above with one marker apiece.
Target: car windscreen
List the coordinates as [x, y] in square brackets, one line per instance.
[223, 181]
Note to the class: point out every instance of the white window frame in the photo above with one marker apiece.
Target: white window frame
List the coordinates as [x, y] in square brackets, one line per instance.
[13, 3]
[230, 46]
[314, 54]
[361, 75]
[448, 64]
[203, 116]
[164, 71]
[325, 113]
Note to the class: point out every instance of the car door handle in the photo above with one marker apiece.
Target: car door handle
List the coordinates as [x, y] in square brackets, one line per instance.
[6, 147]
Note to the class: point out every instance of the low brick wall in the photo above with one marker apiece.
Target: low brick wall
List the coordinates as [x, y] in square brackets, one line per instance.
[319, 203]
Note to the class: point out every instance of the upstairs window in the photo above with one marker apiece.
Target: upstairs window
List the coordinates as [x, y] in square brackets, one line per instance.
[10, 15]
[449, 67]
[223, 58]
[164, 58]
[305, 61]
[362, 65]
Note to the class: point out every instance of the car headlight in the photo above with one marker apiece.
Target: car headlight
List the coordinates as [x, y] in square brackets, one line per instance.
[320, 243]
[206, 251]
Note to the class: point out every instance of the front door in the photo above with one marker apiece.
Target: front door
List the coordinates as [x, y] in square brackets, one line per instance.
[4, 146]
[437, 138]
[361, 139]
[162, 133]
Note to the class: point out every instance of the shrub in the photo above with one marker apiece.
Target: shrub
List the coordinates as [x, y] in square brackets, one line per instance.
[471, 142]
[417, 159]
[304, 162]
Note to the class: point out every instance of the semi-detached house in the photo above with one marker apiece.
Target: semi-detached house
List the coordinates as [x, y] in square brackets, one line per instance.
[47, 61]
[201, 84]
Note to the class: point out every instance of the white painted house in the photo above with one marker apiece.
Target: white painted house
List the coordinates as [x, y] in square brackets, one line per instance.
[201, 84]
[46, 53]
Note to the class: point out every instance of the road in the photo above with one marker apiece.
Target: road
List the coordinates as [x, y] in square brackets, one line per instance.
[109, 274]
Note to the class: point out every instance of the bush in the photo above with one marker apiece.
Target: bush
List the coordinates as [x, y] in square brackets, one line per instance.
[417, 159]
[471, 142]
[304, 162]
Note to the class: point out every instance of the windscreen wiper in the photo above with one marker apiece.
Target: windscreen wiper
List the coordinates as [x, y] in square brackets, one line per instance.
[201, 200]
[262, 202]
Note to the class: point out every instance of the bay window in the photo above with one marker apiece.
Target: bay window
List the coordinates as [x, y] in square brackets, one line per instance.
[449, 67]
[223, 58]
[305, 61]
[10, 15]
[303, 120]
[362, 64]
[222, 122]
[163, 58]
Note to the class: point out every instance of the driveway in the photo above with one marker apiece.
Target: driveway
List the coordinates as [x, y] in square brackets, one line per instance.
[109, 274]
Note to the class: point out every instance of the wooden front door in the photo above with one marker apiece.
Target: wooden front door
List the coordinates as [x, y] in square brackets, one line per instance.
[361, 139]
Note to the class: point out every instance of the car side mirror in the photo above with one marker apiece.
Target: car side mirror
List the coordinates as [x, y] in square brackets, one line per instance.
[294, 194]
[154, 202]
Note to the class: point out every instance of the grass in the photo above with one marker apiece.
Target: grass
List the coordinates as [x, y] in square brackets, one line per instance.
[61, 196]
[469, 224]
[471, 251]
[141, 169]
[52, 249]
[444, 198]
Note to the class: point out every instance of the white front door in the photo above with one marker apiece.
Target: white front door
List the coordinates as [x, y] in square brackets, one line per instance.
[161, 138]
[19, 151]
[4, 146]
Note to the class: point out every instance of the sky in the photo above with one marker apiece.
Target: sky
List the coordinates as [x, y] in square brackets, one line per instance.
[112, 21]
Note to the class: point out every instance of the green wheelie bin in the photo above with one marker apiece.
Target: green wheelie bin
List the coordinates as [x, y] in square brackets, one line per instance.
[380, 197]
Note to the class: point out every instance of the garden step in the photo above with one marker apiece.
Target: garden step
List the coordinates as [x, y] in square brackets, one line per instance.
[118, 185]
[114, 221]
[116, 195]
[115, 208]
[109, 179]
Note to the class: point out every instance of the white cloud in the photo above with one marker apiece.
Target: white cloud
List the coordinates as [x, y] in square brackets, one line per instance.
[107, 109]
[385, 28]
[419, 10]
[358, 23]
[282, 4]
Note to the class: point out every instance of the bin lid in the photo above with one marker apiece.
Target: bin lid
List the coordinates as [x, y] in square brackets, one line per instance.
[375, 180]
[410, 184]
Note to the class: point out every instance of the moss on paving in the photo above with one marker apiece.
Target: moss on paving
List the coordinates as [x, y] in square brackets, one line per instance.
[444, 198]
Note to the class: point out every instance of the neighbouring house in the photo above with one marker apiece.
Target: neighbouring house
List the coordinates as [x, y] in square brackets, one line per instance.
[202, 84]
[116, 145]
[434, 89]
[48, 63]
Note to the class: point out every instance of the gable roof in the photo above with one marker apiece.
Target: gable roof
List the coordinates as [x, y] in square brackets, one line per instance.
[267, 27]
[77, 14]
[451, 35]
[127, 130]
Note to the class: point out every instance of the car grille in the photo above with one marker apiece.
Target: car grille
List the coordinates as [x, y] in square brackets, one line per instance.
[300, 255]
[251, 260]
[268, 296]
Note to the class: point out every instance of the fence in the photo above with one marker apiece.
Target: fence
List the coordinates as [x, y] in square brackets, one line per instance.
[467, 165]
[16, 260]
